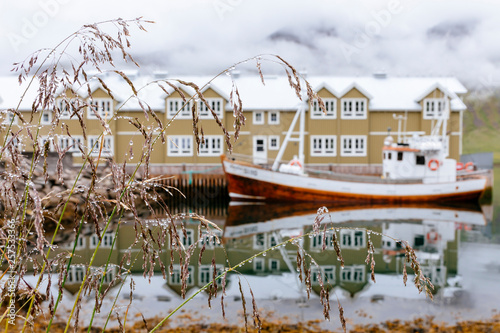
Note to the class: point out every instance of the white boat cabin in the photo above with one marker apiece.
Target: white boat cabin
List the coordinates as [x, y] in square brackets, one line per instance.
[421, 158]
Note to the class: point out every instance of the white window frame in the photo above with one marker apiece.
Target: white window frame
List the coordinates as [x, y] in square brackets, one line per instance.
[270, 140]
[351, 106]
[76, 274]
[270, 120]
[65, 109]
[327, 274]
[180, 145]
[353, 150]
[259, 265]
[205, 273]
[213, 146]
[104, 108]
[174, 104]
[272, 262]
[217, 105]
[45, 138]
[255, 120]
[433, 108]
[107, 241]
[352, 239]
[108, 149]
[174, 277]
[354, 273]
[319, 143]
[49, 116]
[186, 240]
[331, 109]
[109, 275]
[8, 118]
[64, 141]
[263, 241]
[259, 241]
[210, 240]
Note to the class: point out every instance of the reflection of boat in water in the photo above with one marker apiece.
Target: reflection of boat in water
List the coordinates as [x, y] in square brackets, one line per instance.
[249, 218]
[415, 170]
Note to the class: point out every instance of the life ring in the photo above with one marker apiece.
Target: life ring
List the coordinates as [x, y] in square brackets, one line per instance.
[432, 237]
[295, 162]
[460, 166]
[433, 164]
[469, 166]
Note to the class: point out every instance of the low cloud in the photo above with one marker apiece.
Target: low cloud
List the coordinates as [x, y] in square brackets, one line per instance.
[407, 37]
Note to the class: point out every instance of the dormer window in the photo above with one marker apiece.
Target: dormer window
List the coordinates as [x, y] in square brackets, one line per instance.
[101, 106]
[330, 105]
[434, 108]
[214, 103]
[354, 108]
[65, 109]
[175, 104]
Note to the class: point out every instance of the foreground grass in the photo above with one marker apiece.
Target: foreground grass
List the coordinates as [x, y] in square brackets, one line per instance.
[427, 324]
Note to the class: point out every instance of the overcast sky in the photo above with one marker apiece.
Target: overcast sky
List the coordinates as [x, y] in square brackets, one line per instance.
[341, 37]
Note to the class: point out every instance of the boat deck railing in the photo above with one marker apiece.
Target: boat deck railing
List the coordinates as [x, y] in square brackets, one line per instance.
[358, 178]
[325, 174]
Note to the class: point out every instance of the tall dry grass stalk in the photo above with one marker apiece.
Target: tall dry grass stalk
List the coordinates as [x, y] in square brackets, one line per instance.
[30, 213]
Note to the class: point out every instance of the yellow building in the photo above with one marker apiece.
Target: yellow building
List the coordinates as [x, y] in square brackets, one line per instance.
[360, 111]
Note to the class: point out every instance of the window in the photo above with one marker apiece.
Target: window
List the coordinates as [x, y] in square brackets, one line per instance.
[65, 141]
[258, 118]
[353, 145]
[109, 276]
[65, 109]
[317, 241]
[354, 108]
[214, 103]
[10, 117]
[261, 242]
[354, 273]
[331, 108]
[327, 274]
[259, 264]
[175, 275]
[434, 107]
[323, 145]
[180, 145]
[95, 142]
[101, 106]
[76, 274]
[352, 238]
[212, 146]
[107, 240]
[274, 265]
[206, 273]
[420, 160]
[175, 104]
[274, 142]
[210, 240]
[186, 240]
[273, 118]
[400, 155]
[46, 117]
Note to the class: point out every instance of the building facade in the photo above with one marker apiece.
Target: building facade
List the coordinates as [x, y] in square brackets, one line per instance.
[360, 113]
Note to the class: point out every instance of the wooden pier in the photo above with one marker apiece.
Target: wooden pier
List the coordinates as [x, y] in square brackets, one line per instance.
[205, 194]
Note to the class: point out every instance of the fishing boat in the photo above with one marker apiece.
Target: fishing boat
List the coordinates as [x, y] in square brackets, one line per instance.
[414, 170]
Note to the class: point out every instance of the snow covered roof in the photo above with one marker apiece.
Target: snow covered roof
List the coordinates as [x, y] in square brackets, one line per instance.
[384, 93]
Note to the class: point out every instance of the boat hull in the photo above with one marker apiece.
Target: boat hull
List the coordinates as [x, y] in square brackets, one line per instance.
[249, 182]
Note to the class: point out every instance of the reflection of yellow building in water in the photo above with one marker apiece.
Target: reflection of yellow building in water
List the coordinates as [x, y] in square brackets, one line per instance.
[434, 235]
[359, 111]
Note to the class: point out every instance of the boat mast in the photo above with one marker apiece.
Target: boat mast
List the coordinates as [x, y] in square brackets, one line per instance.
[300, 113]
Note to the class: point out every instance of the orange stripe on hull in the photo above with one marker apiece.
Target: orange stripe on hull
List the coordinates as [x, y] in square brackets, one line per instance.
[273, 192]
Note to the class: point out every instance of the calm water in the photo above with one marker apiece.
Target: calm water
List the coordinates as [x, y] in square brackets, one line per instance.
[458, 248]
